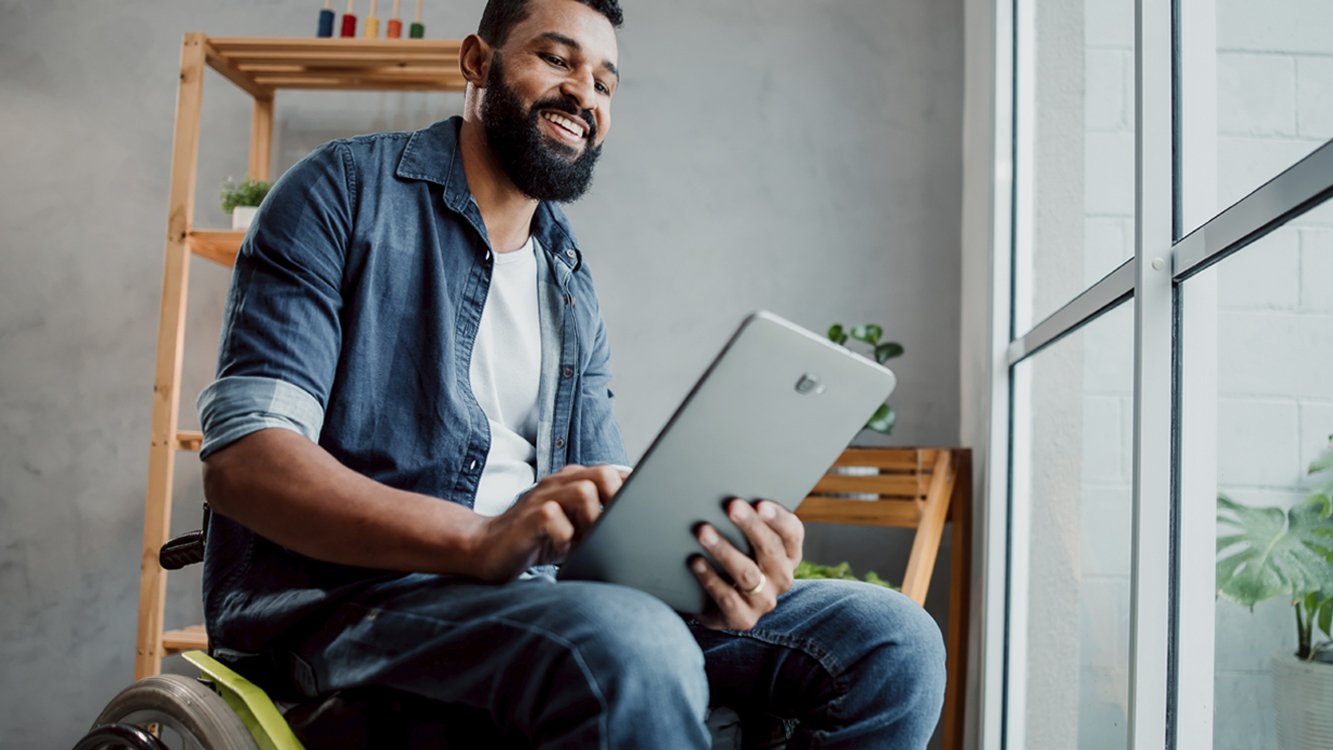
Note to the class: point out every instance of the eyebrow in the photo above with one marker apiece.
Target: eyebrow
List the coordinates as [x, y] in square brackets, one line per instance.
[572, 43]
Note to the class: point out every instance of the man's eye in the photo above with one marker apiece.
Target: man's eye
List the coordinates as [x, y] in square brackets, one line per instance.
[556, 61]
[603, 88]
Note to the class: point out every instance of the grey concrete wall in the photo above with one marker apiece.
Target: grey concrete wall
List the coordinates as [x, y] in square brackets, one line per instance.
[798, 156]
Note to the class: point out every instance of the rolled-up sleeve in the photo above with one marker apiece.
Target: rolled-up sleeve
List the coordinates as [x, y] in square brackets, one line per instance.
[281, 332]
[233, 407]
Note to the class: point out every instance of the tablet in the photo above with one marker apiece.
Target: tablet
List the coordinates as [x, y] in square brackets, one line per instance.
[766, 421]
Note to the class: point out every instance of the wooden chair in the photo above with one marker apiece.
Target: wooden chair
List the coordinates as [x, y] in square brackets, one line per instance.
[912, 488]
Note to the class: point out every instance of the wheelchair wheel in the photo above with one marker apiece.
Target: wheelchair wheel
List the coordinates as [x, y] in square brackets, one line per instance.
[182, 712]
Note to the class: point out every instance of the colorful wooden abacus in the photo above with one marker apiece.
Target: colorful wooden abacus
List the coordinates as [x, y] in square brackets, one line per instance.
[394, 28]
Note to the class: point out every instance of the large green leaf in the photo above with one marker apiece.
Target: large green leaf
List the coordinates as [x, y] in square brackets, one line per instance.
[1264, 552]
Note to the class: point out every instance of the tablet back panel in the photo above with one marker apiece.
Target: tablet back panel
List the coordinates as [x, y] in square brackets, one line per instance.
[766, 420]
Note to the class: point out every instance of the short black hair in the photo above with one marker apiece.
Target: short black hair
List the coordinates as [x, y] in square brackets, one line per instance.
[501, 16]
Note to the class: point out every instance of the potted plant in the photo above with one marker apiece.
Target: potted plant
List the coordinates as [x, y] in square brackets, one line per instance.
[868, 336]
[242, 199]
[1265, 553]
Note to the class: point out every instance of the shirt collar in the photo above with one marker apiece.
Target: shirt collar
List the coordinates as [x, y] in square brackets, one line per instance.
[432, 154]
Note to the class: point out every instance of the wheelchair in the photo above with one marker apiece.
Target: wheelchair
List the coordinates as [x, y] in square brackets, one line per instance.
[222, 709]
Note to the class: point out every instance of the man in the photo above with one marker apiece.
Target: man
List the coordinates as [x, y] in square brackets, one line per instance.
[411, 340]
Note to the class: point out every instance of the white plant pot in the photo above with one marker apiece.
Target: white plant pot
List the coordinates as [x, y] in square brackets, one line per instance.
[241, 216]
[1303, 695]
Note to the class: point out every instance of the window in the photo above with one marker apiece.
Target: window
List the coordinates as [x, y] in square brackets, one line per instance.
[1172, 256]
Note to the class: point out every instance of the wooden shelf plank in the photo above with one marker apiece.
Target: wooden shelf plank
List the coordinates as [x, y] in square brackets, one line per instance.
[229, 71]
[898, 459]
[185, 639]
[890, 485]
[189, 441]
[261, 66]
[248, 60]
[359, 83]
[217, 245]
[897, 513]
[314, 45]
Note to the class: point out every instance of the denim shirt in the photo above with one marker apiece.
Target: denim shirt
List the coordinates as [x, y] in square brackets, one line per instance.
[353, 308]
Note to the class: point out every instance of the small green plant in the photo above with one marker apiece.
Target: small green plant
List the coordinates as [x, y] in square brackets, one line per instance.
[1267, 552]
[842, 571]
[244, 193]
[884, 417]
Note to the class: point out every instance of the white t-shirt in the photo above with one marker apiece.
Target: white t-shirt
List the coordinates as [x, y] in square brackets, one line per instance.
[506, 377]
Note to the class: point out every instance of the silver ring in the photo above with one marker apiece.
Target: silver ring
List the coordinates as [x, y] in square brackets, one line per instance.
[758, 587]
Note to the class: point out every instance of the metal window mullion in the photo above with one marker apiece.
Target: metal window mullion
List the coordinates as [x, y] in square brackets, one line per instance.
[1196, 392]
[1020, 547]
[1153, 316]
[1023, 74]
[995, 520]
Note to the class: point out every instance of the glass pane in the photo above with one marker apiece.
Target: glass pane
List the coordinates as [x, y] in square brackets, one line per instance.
[1274, 78]
[1083, 152]
[1274, 322]
[1072, 496]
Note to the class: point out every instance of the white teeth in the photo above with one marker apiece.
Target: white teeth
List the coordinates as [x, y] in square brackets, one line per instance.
[565, 123]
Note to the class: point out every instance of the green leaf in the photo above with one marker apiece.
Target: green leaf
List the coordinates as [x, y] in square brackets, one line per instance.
[882, 420]
[836, 334]
[887, 351]
[806, 570]
[1272, 553]
[1324, 619]
[873, 577]
[868, 333]
[1323, 463]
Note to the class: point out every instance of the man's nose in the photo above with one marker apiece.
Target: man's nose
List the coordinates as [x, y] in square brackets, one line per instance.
[579, 86]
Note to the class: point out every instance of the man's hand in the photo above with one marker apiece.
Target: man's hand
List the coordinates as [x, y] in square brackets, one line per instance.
[777, 536]
[546, 521]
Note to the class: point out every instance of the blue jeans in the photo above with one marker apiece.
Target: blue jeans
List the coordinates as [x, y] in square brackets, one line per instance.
[589, 665]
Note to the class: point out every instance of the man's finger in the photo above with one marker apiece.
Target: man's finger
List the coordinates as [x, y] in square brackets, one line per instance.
[555, 525]
[788, 527]
[738, 565]
[582, 502]
[769, 548]
[736, 610]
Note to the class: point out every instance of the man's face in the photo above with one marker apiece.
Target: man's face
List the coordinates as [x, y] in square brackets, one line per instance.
[547, 103]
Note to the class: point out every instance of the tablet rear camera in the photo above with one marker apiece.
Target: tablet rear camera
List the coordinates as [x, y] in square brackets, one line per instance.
[809, 384]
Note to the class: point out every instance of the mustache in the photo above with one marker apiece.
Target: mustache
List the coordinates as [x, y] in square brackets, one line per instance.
[570, 108]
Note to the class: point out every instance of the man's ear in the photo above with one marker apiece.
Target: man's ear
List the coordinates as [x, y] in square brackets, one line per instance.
[474, 60]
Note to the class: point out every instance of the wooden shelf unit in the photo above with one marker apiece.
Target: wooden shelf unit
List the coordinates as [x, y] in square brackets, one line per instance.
[260, 67]
[922, 489]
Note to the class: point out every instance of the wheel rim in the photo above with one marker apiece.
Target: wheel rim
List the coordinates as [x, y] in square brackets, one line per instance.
[168, 729]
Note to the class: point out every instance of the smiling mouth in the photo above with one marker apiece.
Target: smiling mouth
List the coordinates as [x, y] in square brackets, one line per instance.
[573, 127]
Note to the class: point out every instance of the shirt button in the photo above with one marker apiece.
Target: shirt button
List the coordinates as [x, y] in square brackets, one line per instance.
[559, 442]
[569, 252]
[472, 466]
[568, 372]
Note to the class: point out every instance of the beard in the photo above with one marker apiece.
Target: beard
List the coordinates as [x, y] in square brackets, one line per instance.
[538, 166]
